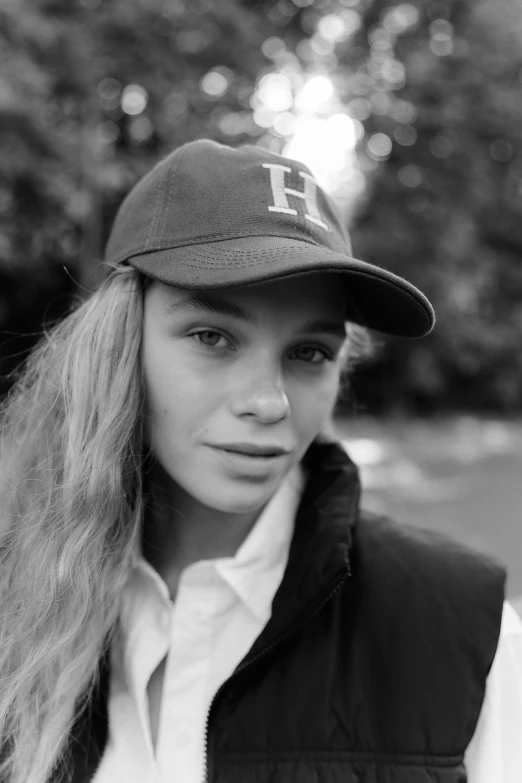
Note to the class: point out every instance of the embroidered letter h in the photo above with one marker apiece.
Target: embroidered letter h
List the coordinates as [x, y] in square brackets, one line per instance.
[280, 193]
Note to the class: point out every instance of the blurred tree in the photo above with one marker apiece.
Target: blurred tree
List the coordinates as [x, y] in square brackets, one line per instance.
[444, 207]
[92, 92]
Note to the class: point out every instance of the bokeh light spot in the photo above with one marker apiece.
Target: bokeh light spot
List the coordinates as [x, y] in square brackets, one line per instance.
[231, 124]
[175, 104]
[264, 117]
[399, 18]
[107, 132]
[140, 129]
[134, 99]
[379, 145]
[109, 89]
[381, 103]
[410, 176]
[441, 146]
[359, 108]
[326, 146]
[314, 93]
[403, 111]
[441, 47]
[338, 27]
[394, 73]
[273, 47]
[501, 150]
[275, 92]
[321, 46]
[405, 135]
[214, 83]
[441, 29]
[285, 123]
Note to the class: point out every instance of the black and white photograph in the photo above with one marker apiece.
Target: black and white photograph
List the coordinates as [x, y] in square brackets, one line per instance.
[260, 391]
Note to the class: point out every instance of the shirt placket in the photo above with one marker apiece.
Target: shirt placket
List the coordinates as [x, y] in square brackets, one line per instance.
[187, 676]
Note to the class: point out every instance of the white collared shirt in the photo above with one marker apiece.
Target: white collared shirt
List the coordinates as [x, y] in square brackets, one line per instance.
[220, 608]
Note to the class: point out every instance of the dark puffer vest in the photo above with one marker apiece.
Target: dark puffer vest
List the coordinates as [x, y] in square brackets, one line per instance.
[373, 666]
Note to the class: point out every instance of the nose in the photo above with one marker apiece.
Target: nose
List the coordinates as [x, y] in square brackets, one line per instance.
[264, 398]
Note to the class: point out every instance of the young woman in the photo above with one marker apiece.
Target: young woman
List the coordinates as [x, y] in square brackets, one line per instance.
[189, 589]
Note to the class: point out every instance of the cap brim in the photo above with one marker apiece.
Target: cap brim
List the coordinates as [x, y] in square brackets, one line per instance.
[378, 299]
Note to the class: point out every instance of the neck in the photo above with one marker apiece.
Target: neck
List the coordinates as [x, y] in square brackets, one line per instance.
[179, 530]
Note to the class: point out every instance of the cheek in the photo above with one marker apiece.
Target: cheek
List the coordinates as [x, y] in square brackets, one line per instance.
[313, 405]
[162, 389]
[177, 400]
[164, 403]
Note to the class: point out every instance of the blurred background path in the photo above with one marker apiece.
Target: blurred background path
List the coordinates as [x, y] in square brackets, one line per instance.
[460, 475]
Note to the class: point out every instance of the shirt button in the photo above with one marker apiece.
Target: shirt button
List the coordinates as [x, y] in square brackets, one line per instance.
[183, 740]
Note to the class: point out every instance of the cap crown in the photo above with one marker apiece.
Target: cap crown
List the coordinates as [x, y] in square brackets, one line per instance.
[205, 192]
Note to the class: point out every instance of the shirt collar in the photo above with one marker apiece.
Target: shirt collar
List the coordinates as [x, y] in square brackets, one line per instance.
[260, 561]
[255, 569]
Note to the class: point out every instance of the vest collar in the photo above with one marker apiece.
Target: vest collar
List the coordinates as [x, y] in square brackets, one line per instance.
[323, 536]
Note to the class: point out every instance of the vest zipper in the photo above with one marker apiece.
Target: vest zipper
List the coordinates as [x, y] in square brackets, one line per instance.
[292, 628]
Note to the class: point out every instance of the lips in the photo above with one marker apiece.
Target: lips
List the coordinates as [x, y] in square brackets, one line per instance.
[247, 466]
[250, 454]
[254, 450]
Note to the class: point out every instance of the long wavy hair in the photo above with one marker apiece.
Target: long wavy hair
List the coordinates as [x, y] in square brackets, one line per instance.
[72, 505]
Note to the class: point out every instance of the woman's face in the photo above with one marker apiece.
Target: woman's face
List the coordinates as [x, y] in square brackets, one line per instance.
[239, 366]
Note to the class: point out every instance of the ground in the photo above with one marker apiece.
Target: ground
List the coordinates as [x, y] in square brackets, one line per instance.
[460, 475]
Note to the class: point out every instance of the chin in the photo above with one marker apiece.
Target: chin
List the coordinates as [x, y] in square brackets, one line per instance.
[246, 500]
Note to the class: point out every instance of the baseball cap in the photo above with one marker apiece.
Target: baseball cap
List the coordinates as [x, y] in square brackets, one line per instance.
[213, 216]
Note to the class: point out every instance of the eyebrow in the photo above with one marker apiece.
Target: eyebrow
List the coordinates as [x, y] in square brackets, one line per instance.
[199, 303]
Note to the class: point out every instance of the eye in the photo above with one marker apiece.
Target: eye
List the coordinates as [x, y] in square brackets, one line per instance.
[308, 351]
[208, 338]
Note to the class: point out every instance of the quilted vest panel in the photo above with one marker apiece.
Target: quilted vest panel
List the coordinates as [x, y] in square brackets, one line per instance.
[384, 684]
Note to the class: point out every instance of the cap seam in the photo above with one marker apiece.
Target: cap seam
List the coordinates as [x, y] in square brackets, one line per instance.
[156, 207]
[172, 172]
[362, 272]
[380, 271]
[220, 238]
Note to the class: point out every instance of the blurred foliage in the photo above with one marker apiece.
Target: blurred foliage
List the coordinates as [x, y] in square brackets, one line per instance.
[92, 92]
[445, 211]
